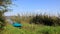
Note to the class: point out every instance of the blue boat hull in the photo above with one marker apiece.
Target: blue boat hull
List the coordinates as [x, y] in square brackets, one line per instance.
[17, 25]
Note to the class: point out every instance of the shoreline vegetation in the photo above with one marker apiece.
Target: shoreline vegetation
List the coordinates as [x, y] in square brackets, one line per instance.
[34, 25]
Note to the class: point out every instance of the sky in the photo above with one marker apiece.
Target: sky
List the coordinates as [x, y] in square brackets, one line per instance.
[34, 7]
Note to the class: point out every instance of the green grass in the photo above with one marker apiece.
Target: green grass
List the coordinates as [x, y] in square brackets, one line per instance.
[31, 29]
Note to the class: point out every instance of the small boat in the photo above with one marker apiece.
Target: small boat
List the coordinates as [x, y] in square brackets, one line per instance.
[17, 24]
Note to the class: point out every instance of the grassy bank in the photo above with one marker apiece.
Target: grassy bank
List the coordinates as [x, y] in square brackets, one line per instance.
[31, 29]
